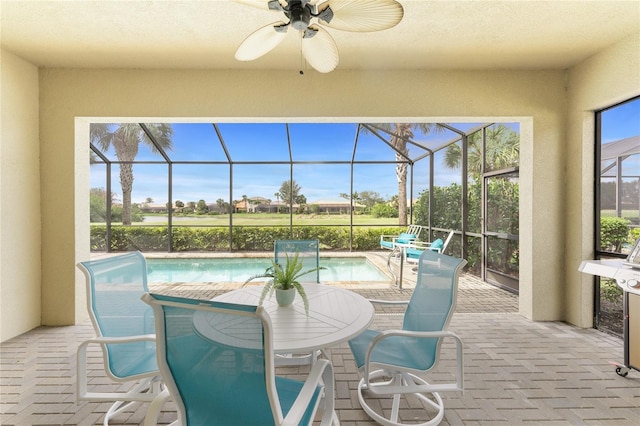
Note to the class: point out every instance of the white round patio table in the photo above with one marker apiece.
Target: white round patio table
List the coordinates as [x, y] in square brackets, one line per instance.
[335, 316]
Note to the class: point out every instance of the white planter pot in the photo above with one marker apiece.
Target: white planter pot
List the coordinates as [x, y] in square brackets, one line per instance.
[285, 297]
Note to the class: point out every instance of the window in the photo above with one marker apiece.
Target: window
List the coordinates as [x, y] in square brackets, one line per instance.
[617, 201]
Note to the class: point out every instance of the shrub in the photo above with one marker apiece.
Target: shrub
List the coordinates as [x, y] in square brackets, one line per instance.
[384, 210]
[156, 238]
[610, 291]
[614, 231]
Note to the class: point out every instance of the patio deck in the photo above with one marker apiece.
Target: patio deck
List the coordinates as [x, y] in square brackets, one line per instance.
[516, 371]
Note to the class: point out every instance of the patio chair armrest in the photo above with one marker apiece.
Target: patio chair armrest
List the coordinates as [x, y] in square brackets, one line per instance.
[81, 353]
[81, 360]
[419, 244]
[422, 245]
[120, 339]
[419, 334]
[459, 384]
[321, 373]
[389, 302]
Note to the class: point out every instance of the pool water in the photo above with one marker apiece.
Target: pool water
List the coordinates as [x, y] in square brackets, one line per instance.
[240, 269]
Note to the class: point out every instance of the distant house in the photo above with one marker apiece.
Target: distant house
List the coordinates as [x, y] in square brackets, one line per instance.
[335, 207]
[154, 208]
[255, 204]
[273, 207]
[264, 205]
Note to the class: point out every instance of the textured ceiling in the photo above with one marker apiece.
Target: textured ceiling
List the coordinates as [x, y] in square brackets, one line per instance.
[434, 34]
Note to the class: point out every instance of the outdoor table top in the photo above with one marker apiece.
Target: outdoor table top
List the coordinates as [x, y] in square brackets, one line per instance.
[335, 316]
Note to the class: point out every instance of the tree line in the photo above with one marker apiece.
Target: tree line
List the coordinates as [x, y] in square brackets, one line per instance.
[126, 138]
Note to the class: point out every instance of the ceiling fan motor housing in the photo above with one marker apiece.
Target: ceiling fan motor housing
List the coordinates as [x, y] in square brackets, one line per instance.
[299, 14]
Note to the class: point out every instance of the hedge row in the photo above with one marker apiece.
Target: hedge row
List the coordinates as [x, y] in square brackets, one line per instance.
[156, 238]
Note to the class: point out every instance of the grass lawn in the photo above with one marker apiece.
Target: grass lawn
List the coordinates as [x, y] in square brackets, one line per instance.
[627, 214]
[268, 219]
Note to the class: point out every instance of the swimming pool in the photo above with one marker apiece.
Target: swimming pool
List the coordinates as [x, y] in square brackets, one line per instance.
[239, 269]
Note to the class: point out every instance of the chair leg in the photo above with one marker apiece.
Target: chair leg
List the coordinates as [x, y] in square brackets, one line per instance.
[152, 386]
[289, 360]
[153, 412]
[399, 379]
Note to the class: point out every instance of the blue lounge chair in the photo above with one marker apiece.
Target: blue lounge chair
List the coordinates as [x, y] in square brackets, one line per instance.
[390, 360]
[414, 250]
[389, 242]
[228, 377]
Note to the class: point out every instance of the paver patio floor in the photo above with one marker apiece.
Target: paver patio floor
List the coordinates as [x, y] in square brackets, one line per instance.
[516, 371]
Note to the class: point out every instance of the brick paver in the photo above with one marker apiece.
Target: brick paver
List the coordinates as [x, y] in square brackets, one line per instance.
[516, 371]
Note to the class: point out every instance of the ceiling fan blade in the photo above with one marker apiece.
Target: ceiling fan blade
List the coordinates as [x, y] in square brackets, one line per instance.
[320, 50]
[361, 15]
[264, 4]
[261, 41]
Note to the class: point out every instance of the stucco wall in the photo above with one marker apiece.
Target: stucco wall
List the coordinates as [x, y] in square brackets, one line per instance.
[556, 173]
[19, 197]
[603, 80]
[536, 98]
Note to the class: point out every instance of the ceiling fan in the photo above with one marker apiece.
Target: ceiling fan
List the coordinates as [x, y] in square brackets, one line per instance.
[318, 47]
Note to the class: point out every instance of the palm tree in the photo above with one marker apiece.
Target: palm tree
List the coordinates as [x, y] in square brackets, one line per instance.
[277, 195]
[400, 134]
[126, 139]
[245, 200]
[503, 150]
[353, 199]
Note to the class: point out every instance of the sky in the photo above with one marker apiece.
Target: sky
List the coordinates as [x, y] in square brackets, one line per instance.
[621, 122]
[330, 143]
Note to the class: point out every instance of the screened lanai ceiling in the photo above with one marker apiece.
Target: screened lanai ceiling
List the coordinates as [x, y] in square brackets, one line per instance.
[620, 148]
[196, 34]
[239, 143]
[615, 153]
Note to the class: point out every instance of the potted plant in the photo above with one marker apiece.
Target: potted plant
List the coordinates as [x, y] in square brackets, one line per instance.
[283, 280]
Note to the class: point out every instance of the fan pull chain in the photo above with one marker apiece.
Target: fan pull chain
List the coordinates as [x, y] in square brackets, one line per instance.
[301, 58]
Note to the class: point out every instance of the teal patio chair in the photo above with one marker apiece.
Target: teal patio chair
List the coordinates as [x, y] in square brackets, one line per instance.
[389, 361]
[308, 253]
[414, 250]
[224, 374]
[124, 329]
